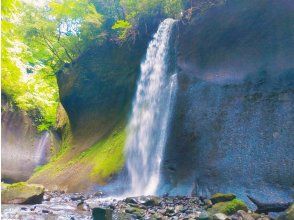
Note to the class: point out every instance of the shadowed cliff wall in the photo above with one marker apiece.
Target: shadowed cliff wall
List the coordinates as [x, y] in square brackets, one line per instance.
[233, 127]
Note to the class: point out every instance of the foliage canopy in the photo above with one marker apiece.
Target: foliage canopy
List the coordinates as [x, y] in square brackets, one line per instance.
[39, 37]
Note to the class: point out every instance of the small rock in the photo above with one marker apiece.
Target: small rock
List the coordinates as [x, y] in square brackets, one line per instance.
[244, 215]
[45, 211]
[23, 208]
[77, 198]
[208, 203]
[193, 216]
[266, 218]
[112, 206]
[169, 210]
[83, 206]
[179, 208]
[99, 194]
[131, 200]
[220, 216]
[203, 216]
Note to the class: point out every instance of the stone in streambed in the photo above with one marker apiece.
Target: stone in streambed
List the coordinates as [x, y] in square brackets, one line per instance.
[136, 212]
[244, 216]
[131, 200]
[22, 193]
[221, 197]
[150, 200]
[220, 216]
[101, 214]
[204, 216]
[228, 208]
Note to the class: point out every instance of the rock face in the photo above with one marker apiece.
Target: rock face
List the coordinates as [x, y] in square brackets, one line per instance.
[100, 85]
[233, 126]
[23, 148]
[96, 92]
[22, 193]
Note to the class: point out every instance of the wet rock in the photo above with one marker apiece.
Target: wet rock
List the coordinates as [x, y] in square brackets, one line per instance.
[288, 214]
[208, 203]
[243, 216]
[131, 200]
[220, 216]
[98, 194]
[22, 193]
[150, 200]
[77, 198]
[194, 215]
[101, 214]
[204, 216]
[228, 208]
[220, 197]
[83, 206]
[179, 208]
[265, 218]
[45, 211]
[137, 213]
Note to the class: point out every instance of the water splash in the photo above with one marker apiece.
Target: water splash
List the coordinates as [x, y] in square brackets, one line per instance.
[41, 148]
[147, 129]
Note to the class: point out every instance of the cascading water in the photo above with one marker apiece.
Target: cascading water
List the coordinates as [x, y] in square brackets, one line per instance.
[148, 125]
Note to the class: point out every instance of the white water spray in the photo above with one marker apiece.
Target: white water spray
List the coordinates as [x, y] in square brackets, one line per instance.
[148, 125]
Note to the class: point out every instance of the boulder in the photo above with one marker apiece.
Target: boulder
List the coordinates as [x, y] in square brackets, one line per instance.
[101, 213]
[221, 197]
[288, 214]
[22, 193]
[228, 208]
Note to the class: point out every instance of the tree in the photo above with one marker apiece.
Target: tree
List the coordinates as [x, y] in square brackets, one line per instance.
[37, 42]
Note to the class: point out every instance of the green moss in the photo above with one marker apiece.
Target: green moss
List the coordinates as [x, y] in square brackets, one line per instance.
[229, 207]
[16, 185]
[64, 125]
[221, 197]
[97, 163]
[106, 156]
[22, 192]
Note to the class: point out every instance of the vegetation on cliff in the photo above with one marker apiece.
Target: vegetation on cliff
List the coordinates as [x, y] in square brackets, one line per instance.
[38, 38]
[95, 165]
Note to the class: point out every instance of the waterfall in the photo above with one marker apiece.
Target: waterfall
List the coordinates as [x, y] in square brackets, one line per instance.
[41, 148]
[148, 125]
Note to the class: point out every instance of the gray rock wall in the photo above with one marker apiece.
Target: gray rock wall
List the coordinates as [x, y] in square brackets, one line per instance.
[234, 121]
[23, 148]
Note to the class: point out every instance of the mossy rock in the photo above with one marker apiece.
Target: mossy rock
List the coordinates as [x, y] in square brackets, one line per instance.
[288, 214]
[22, 193]
[221, 197]
[101, 214]
[228, 208]
[136, 212]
